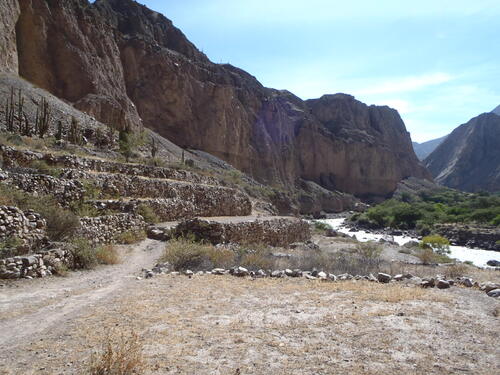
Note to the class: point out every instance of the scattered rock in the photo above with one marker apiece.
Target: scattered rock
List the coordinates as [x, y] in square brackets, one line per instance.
[442, 284]
[494, 293]
[384, 278]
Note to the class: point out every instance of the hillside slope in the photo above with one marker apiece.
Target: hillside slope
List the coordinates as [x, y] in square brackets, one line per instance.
[424, 149]
[126, 65]
[469, 159]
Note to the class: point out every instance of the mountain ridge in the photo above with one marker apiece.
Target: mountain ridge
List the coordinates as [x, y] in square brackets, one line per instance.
[469, 159]
[134, 67]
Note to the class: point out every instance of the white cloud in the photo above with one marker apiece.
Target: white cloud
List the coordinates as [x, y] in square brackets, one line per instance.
[406, 84]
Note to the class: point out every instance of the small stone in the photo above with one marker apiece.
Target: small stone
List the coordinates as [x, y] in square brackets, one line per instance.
[427, 284]
[241, 272]
[490, 286]
[310, 277]
[495, 293]
[493, 263]
[277, 274]
[218, 271]
[383, 278]
[442, 284]
[322, 275]
[332, 277]
[399, 277]
[189, 273]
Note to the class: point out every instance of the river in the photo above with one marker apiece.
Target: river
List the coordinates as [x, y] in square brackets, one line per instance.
[478, 257]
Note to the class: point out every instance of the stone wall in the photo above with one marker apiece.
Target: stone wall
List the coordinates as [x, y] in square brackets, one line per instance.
[207, 200]
[272, 232]
[41, 264]
[106, 229]
[15, 157]
[28, 227]
[171, 209]
[63, 190]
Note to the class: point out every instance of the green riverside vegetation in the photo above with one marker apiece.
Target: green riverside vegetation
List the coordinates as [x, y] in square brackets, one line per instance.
[426, 209]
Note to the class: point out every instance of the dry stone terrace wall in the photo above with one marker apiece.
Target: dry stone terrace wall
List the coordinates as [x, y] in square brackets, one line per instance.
[206, 200]
[279, 232]
[106, 229]
[172, 209]
[16, 157]
[41, 264]
[29, 227]
[63, 190]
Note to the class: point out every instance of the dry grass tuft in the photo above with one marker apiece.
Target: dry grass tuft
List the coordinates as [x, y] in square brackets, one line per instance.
[131, 237]
[108, 255]
[456, 270]
[120, 354]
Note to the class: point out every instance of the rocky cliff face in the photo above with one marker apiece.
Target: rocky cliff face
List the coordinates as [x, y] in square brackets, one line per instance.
[424, 149]
[127, 65]
[469, 159]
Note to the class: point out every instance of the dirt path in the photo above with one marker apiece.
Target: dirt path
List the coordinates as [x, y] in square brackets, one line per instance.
[29, 308]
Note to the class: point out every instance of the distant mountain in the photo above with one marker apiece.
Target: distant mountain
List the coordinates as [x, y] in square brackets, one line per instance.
[469, 158]
[424, 149]
[497, 110]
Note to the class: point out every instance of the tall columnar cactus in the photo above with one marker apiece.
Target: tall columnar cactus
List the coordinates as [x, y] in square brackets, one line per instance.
[20, 110]
[154, 148]
[9, 111]
[74, 134]
[42, 122]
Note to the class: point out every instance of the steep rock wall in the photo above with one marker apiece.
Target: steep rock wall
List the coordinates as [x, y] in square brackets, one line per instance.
[124, 63]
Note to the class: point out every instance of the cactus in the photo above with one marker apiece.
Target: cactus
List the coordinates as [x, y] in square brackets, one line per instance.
[20, 112]
[9, 111]
[74, 134]
[59, 133]
[154, 148]
[42, 118]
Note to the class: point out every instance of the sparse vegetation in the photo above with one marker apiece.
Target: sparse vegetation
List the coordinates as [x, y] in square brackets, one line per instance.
[437, 243]
[131, 237]
[83, 255]
[148, 214]
[9, 247]
[107, 254]
[185, 253]
[120, 354]
[61, 223]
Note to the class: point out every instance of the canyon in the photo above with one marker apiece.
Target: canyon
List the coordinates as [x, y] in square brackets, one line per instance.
[128, 67]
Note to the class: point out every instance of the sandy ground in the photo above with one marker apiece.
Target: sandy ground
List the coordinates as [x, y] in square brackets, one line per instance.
[224, 325]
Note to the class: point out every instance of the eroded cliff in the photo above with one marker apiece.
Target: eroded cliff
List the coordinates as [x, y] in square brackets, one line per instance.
[127, 65]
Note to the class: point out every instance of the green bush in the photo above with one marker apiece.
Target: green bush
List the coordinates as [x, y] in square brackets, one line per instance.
[83, 255]
[320, 226]
[148, 214]
[9, 247]
[437, 243]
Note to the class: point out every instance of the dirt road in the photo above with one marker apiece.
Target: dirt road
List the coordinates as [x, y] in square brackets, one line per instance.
[28, 308]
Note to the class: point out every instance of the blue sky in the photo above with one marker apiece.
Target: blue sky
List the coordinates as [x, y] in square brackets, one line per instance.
[437, 62]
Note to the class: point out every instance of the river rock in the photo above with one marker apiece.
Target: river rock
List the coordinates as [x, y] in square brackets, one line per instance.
[494, 293]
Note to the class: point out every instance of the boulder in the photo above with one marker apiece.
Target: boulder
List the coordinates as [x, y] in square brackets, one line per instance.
[442, 284]
[494, 293]
[383, 278]
[493, 263]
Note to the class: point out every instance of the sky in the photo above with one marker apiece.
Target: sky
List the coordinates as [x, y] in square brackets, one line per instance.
[436, 61]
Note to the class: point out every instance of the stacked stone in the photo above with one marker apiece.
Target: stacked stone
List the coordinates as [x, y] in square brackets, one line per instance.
[273, 232]
[63, 190]
[36, 265]
[15, 157]
[106, 229]
[27, 226]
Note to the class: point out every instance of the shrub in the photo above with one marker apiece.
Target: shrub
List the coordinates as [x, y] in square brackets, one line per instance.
[131, 237]
[321, 227]
[121, 354]
[185, 253]
[256, 257]
[221, 257]
[107, 255]
[428, 256]
[43, 168]
[148, 214]
[83, 254]
[437, 243]
[456, 270]
[9, 247]
[61, 223]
